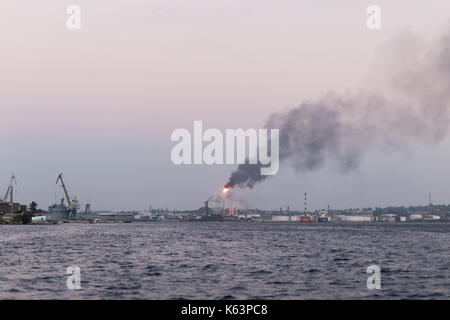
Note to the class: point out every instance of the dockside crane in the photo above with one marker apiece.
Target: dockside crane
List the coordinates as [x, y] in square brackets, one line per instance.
[73, 205]
[10, 190]
[69, 202]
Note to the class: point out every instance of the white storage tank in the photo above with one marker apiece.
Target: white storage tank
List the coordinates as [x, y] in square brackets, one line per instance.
[415, 216]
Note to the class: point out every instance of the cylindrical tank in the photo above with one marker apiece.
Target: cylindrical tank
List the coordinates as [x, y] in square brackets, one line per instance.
[415, 216]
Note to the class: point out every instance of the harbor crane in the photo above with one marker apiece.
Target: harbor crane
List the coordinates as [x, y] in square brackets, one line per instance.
[10, 190]
[73, 202]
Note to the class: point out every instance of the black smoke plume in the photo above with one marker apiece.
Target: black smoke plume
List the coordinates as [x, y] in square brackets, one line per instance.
[407, 102]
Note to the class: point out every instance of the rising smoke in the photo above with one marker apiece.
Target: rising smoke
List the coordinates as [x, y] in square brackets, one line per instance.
[407, 102]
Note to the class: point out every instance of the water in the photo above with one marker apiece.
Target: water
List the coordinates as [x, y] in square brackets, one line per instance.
[229, 260]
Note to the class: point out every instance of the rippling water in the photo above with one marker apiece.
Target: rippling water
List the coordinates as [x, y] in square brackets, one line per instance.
[225, 260]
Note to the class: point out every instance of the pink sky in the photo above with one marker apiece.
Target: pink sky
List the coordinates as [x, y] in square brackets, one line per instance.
[140, 69]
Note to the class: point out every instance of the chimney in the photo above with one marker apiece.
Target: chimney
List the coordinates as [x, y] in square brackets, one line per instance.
[306, 208]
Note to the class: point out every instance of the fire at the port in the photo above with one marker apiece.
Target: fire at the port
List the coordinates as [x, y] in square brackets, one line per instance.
[226, 189]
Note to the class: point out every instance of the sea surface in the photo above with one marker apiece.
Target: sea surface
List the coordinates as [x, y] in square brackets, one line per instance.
[229, 260]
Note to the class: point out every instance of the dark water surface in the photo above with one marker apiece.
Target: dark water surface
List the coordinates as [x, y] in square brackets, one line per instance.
[229, 260]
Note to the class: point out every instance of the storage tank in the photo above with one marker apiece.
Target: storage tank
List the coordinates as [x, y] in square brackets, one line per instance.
[415, 216]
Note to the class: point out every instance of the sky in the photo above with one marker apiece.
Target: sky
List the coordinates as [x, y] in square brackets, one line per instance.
[99, 104]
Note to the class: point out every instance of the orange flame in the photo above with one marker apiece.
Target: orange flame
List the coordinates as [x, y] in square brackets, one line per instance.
[226, 189]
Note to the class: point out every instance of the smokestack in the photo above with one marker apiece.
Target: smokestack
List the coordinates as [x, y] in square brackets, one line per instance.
[306, 208]
[206, 208]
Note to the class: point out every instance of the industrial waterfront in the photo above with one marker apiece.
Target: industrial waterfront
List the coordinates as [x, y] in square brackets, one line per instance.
[68, 211]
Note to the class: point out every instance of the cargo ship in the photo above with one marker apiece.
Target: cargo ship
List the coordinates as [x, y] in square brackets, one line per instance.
[60, 212]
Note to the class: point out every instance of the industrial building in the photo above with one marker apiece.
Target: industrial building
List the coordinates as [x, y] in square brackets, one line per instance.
[6, 207]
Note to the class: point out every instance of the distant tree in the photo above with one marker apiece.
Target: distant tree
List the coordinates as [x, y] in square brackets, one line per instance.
[26, 218]
[33, 208]
[28, 215]
[378, 212]
[17, 219]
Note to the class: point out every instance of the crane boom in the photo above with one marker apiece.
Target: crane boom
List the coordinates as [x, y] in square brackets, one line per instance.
[10, 189]
[64, 188]
[5, 198]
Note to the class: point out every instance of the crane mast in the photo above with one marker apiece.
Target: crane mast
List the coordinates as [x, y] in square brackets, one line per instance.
[69, 202]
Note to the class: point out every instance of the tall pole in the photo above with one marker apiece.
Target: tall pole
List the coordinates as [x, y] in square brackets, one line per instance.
[11, 198]
[305, 204]
[223, 203]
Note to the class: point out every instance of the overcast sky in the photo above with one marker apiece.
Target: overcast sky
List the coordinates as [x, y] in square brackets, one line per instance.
[99, 104]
